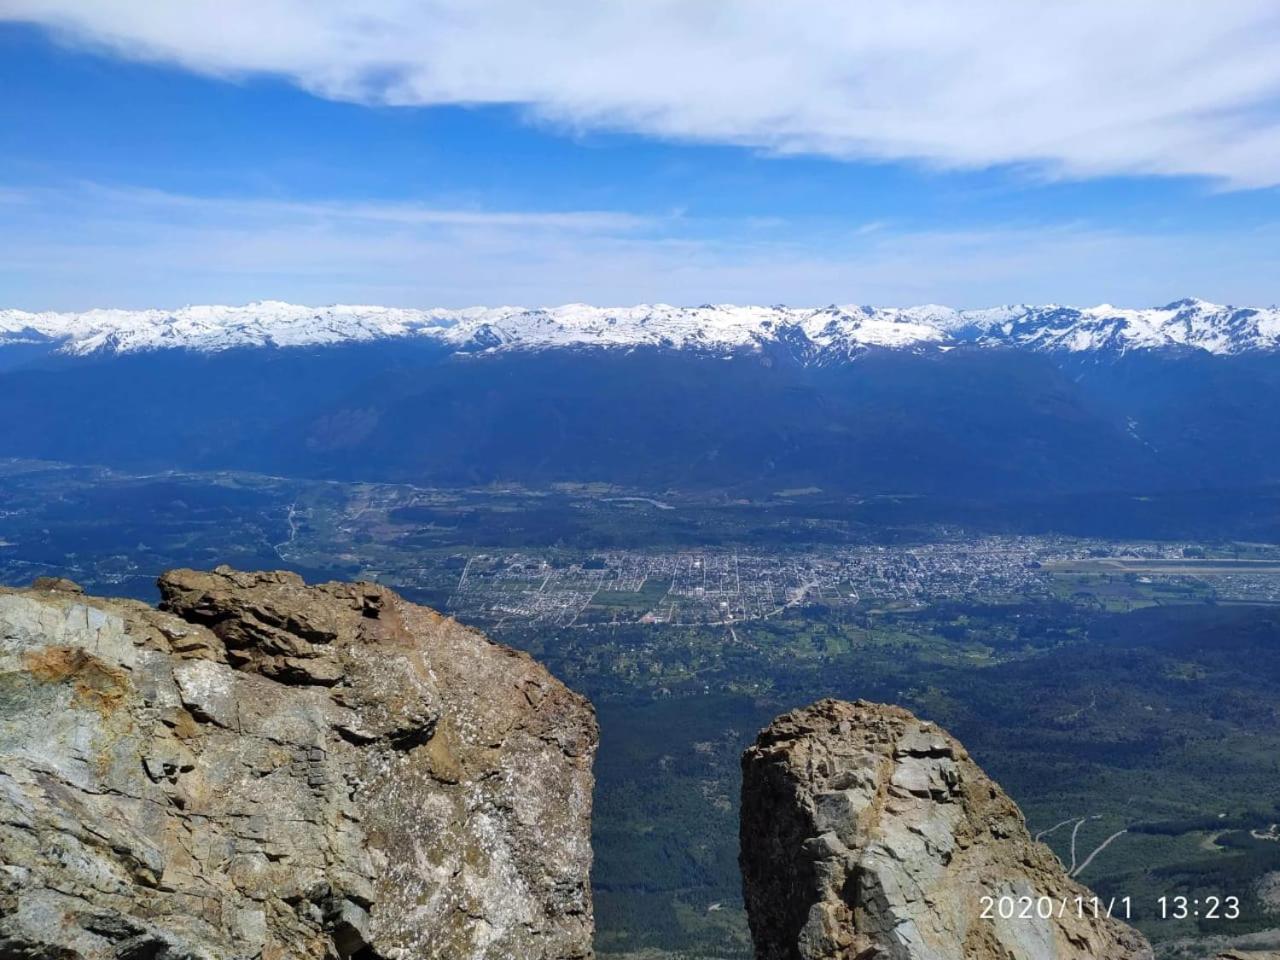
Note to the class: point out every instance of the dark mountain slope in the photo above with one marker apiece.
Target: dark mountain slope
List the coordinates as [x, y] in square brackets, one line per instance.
[968, 422]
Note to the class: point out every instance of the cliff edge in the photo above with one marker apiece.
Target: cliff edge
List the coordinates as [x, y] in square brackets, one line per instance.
[262, 768]
[868, 834]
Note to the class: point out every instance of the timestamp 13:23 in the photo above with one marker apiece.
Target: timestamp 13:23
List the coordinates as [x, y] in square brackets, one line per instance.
[1010, 907]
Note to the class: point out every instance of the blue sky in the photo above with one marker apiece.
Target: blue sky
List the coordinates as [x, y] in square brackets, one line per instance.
[146, 164]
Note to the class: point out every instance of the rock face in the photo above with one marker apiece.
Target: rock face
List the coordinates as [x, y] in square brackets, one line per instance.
[867, 833]
[266, 769]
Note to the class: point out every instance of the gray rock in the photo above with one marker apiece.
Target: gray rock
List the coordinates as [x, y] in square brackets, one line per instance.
[868, 834]
[263, 769]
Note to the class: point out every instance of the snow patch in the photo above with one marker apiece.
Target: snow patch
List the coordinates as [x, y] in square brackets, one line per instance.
[841, 330]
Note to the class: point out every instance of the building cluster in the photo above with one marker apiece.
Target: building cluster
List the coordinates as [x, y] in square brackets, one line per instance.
[716, 586]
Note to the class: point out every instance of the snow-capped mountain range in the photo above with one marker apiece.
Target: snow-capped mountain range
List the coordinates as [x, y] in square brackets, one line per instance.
[834, 331]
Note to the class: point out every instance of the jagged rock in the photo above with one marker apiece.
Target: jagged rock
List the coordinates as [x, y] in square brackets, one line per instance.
[266, 769]
[56, 583]
[868, 834]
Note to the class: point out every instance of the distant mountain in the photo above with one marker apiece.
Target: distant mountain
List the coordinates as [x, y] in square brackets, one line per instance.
[815, 335]
[1019, 402]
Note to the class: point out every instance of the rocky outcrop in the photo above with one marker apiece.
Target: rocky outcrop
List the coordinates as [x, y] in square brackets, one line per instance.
[266, 769]
[867, 833]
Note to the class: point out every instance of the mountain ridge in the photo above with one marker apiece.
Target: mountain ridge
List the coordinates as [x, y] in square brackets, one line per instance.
[819, 334]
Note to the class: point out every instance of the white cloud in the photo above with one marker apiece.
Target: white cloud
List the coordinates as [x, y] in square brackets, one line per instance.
[141, 200]
[95, 246]
[1072, 89]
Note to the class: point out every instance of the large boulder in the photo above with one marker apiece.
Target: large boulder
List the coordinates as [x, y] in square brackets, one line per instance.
[867, 833]
[266, 769]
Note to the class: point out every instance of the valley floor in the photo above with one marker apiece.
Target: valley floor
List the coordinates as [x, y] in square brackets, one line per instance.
[1123, 690]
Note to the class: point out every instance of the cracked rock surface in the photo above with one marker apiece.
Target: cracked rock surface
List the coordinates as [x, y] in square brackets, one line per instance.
[868, 834]
[266, 769]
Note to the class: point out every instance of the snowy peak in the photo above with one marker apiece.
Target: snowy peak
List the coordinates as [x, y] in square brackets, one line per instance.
[832, 332]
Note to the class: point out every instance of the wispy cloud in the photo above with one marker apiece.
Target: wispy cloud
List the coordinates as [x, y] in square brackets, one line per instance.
[143, 200]
[1077, 89]
[93, 245]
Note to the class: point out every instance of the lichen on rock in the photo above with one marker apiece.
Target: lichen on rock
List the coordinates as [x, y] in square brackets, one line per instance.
[262, 768]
